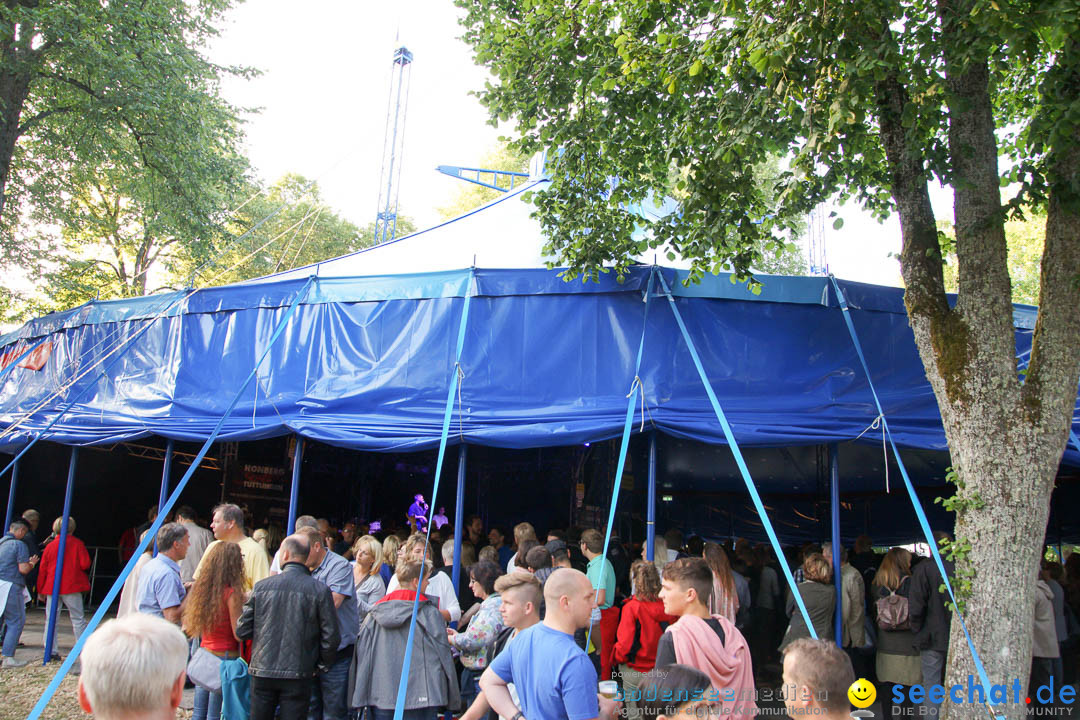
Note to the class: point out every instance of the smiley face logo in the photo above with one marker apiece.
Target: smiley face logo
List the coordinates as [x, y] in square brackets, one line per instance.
[862, 693]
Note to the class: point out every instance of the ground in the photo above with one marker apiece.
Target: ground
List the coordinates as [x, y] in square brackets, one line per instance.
[21, 688]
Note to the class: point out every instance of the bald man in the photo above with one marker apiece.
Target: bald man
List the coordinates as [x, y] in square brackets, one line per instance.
[545, 654]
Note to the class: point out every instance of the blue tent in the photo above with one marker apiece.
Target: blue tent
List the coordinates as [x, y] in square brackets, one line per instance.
[364, 362]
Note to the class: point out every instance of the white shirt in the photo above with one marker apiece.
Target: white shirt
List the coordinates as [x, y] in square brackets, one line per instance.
[439, 586]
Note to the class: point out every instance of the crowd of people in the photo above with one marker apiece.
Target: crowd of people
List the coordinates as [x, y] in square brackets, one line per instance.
[327, 619]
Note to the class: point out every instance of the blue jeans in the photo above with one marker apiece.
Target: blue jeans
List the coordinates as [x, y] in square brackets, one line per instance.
[329, 691]
[14, 619]
[470, 686]
[207, 705]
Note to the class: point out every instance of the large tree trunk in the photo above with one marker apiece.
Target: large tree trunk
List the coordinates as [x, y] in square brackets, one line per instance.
[14, 87]
[1006, 435]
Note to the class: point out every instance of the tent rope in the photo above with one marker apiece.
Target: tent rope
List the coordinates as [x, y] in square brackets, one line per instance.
[919, 512]
[884, 450]
[635, 387]
[729, 435]
[455, 377]
[151, 533]
[461, 379]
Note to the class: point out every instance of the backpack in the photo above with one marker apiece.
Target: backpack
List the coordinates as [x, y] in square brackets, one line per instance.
[892, 612]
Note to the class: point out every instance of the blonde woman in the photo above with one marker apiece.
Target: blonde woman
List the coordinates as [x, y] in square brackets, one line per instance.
[370, 587]
[390, 547]
[818, 595]
[522, 532]
[898, 662]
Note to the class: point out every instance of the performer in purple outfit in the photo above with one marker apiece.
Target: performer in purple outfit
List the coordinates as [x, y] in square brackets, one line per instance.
[418, 512]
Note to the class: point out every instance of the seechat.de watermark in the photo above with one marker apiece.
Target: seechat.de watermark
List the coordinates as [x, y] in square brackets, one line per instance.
[1056, 698]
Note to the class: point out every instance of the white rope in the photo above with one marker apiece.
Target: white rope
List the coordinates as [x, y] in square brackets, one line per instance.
[637, 384]
[259, 249]
[461, 379]
[884, 448]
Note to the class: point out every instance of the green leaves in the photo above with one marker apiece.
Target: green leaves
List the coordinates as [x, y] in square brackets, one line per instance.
[125, 149]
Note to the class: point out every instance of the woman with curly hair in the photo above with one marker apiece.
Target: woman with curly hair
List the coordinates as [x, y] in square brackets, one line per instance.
[641, 624]
[213, 607]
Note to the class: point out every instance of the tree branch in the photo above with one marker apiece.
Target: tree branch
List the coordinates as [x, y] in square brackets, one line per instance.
[1055, 346]
[981, 251]
[30, 122]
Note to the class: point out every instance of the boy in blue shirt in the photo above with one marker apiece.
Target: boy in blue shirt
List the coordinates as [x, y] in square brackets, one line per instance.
[545, 657]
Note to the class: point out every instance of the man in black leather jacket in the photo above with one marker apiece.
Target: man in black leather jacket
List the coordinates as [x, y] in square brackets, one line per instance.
[292, 618]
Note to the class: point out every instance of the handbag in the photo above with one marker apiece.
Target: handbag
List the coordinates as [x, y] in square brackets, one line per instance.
[204, 669]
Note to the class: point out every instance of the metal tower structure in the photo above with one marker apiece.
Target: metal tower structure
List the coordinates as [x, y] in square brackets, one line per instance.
[816, 241]
[393, 146]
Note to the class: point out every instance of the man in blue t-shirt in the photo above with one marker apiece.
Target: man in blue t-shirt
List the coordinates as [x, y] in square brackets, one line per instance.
[545, 657]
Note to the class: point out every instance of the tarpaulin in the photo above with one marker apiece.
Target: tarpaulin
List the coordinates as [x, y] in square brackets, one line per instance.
[364, 362]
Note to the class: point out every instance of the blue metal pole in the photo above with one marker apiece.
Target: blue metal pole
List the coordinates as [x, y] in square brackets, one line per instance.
[58, 571]
[834, 508]
[459, 516]
[294, 491]
[166, 471]
[650, 512]
[10, 514]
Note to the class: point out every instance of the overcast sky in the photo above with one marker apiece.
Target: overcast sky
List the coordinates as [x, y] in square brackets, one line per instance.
[323, 94]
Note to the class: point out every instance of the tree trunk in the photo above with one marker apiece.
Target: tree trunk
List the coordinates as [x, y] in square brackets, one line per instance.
[14, 87]
[1006, 435]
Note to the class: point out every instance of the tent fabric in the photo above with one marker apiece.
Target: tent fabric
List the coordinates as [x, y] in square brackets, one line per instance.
[365, 363]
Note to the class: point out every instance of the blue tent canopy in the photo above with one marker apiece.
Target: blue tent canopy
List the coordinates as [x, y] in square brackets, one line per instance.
[365, 363]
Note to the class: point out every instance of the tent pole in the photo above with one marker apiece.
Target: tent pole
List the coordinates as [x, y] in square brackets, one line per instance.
[459, 516]
[10, 514]
[58, 571]
[650, 521]
[166, 470]
[834, 507]
[294, 489]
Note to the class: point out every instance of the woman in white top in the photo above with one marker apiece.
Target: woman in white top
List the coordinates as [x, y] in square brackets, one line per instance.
[369, 583]
[439, 585]
[129, 593]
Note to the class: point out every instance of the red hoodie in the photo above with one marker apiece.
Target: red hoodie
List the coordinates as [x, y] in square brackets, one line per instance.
[640, 627]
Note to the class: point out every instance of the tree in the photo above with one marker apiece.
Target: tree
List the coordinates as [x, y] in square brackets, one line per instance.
[1024, 237]
[113, 99]
[286, 227]
[869, 100]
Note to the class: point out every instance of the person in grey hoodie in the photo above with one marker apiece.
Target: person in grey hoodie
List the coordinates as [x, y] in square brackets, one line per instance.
[380, 653]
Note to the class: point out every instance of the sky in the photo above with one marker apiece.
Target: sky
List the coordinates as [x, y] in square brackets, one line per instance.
[322, 99]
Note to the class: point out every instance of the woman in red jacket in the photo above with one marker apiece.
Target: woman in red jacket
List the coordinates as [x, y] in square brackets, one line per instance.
[73, 580]
[641, 624]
